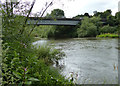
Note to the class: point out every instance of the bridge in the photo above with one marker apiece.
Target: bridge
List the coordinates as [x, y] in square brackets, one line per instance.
[57, 21]
[50, 21]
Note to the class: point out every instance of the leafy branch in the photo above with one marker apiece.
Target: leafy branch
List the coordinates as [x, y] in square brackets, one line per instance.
[51, 3]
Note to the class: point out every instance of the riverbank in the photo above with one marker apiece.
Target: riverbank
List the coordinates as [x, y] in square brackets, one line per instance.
[108, 35]
[39, 38]
[89, 38]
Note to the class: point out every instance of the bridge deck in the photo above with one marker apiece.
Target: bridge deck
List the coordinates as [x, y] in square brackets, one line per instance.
[60, 21]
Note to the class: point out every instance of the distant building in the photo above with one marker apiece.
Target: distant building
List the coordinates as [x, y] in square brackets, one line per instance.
[94, 12]
[119, 6]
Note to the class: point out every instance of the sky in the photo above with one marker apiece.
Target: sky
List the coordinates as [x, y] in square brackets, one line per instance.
[72, 8]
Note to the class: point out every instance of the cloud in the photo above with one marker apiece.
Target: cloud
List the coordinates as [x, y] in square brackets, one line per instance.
[82, 6]
[75, 7]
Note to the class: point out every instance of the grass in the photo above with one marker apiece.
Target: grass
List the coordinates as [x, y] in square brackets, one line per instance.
[108, 35]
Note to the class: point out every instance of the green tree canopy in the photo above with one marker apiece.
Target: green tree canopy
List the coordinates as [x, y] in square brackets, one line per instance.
[56, 13]
[87, 15]
[78, 16]
[108, 29]
[111, 20]
[103, 14]
[106, 13]
[87, 28]
[117, 16]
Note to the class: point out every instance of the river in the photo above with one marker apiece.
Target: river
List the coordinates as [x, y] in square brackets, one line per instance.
[89, 60]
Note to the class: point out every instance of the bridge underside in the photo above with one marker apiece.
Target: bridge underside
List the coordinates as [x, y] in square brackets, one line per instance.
[53, 22]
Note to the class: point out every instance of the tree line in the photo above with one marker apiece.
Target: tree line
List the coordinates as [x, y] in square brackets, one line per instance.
[90, 26]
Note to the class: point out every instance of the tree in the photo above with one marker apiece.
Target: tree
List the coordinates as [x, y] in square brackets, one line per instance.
[98, 14]
[87, 28]
[117, 17]
[111, 20]
[108, 29]
[57, 13]
[96, 21]
[86, 15]
[78, 17]
[106, 13]
[59, 31]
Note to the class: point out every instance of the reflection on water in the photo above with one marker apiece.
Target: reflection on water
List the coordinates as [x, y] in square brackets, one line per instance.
[90, 61]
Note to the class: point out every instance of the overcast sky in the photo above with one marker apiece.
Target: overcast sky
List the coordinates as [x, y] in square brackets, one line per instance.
[75, 7]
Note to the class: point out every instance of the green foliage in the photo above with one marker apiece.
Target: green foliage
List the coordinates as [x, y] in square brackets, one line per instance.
[54, 31]
[117, 16]
[59, 31]
[47, 75]
[44, 31]
[96, 21]
[107, 29]
[86, 15]
[21, 62]
[118, 29]
[56, 13]
[111, 20]
[63, 31]
[108, 35]
[78, 16]
[106, 13]
[34, 72]
[87, 28]
[49, 54]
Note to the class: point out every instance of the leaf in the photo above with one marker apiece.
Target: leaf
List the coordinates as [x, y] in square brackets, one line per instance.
[28, 82]
[18, 75]
[33, 79]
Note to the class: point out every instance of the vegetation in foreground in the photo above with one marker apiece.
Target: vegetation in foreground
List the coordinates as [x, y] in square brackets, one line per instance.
[23, 63]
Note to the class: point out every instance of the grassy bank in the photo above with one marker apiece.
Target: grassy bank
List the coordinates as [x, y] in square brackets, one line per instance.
[108, 35]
